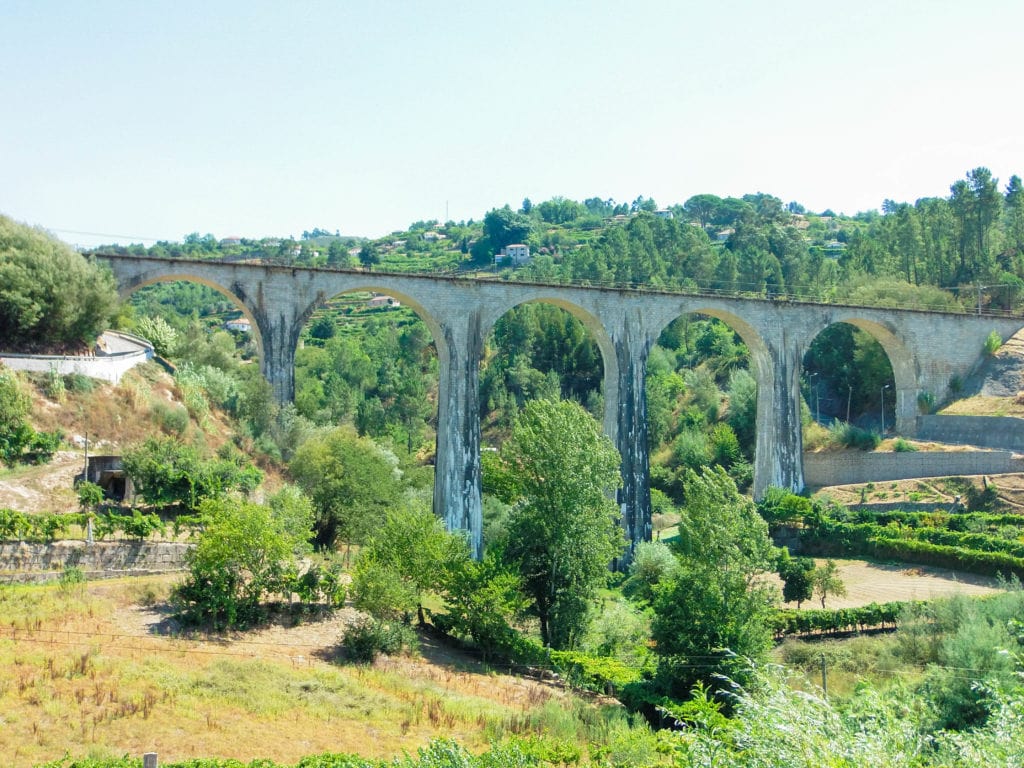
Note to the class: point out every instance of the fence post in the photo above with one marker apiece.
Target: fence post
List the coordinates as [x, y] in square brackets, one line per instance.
[149, 760]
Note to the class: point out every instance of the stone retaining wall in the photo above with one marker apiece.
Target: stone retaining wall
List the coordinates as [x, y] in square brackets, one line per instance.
[985, 431]
[846, 467]
[34, 562]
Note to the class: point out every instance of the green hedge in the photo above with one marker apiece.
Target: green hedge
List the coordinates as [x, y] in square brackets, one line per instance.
[888, 543]
[874, 615]
[19, 526]
[516, 753]
[953, 521]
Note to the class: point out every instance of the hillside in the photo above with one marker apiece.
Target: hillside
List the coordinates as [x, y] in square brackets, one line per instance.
[111, 418]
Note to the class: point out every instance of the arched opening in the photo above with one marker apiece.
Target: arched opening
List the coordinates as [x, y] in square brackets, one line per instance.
[542, 348]
[366, 373]
[849, 385]
[195, 307]
[368, 359]
[538, 349]
[701, 408]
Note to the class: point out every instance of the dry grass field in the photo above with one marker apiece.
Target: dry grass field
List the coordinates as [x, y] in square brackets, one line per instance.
[868, 582]
[86, 670]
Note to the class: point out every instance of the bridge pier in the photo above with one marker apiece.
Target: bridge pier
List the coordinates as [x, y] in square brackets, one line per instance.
[457, 463]
[906, 411]
[626, 414]
[778, 455]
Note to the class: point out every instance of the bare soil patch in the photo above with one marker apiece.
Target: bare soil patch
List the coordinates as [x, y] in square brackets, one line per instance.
[870, 582]
[45, 488]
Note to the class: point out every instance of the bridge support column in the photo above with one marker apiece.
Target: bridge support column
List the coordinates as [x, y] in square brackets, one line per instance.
[906, 411]
[457, 465]
[280, 338]
[626, 423]
[778, 458]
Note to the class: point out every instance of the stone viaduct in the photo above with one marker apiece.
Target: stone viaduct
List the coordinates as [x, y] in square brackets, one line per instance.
[926, 350]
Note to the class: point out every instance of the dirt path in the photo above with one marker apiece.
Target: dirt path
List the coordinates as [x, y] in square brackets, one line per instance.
[45, 488]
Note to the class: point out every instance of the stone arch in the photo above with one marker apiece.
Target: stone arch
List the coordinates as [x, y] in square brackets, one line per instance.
[405, 298]
[593, 324]
[773, 464]
[901, 360]
[126, 291]
[760, 355]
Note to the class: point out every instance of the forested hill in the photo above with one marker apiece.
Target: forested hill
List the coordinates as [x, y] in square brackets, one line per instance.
[969, 244]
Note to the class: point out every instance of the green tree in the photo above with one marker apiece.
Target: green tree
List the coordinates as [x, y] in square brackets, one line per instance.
[827, 582]
[15, 402]
[351, 481]
[167, 472]
[245, 554]
[160, 334]
[483, 598]
[412, 550]
[564, 531]
[51, 297]
[703, 209]
[712, 614]
[797, 576]
[369, 255]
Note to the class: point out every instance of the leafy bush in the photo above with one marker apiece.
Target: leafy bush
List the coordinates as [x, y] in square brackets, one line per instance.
[992, 343]
[902, 446]
[366, 639]
[49, 293]
[244, 555]
[849, 436]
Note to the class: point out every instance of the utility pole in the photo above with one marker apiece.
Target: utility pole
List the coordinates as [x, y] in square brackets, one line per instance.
[883, 409]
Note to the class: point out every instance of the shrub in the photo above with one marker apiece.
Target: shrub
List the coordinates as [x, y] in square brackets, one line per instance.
[925, 402]
[71, 579]
[902, 446]
[368, 638]
[76, 382]
[850, 436]
[992, 343]
[54, 386]
[172, 419]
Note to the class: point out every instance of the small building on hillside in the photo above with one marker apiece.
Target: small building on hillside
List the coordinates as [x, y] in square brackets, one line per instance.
[514, 255]
[239, 325]
[380, 300]
[108, 473]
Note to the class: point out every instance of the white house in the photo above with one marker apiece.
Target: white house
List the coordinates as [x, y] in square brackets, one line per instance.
[379, 300]
[516, 254]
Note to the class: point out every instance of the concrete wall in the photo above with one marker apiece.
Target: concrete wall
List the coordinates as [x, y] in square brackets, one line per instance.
[986, 431]
[110, 367]
[22, 561]
[845, 467]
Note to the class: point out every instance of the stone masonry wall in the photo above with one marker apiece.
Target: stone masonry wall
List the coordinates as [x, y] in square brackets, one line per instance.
[843, 468]
[985, 431]
[23, 561]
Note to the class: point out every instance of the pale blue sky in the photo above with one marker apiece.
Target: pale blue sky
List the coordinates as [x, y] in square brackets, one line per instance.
[156, 119]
